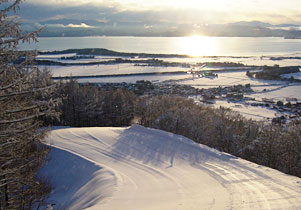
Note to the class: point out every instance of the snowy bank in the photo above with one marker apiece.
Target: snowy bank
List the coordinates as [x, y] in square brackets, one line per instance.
[142, 168]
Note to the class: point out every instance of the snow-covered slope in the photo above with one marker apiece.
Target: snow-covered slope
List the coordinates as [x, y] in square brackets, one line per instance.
[138, 168]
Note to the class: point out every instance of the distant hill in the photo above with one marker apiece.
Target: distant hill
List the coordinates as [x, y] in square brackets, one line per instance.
[251, 23]
[66, 27]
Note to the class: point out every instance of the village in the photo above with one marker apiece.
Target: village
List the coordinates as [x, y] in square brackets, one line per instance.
[288, 110]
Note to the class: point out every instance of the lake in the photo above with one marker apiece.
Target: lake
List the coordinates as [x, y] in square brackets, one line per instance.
[194, 45]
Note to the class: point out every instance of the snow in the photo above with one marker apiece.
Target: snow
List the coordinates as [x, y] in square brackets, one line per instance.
[229, 78]
[295, 75]
[73, 179]
[251, 112]
[277, 90]
[291, 90]
[141, 168]
[54, 56]
[225, 78]
[281, 60]
[112, 69]
[133, 78]
[248, 60]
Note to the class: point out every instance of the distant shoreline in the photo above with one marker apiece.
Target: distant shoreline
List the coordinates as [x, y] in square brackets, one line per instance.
[195, 46]
[107, 52]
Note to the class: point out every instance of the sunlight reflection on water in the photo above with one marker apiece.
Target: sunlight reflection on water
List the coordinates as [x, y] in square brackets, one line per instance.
[193, 45]
[198, 46]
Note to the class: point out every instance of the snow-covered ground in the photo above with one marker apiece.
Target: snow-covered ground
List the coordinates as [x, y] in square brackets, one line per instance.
[295, 75]
[229, 78]
[114, 69]
[287, 91]
[55, 57]
[134, 78]
[281, 60]
[121, 69]
[251, 112]
[276, 90]
[263, 89]
[139, 168]
[248, 60]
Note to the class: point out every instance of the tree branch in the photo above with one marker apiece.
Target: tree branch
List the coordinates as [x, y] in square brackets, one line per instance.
[9, 8]
[26, 92]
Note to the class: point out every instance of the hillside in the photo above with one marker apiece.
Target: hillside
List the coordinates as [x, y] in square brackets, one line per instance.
[140, 168]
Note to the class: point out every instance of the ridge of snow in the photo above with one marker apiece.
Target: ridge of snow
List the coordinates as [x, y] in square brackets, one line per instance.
[142, 168]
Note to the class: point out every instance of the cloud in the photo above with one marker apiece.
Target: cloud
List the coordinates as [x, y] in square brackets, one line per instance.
[60, 2]
[147, 26]
[286, 28]
[82, 25]
[54, 25]
[116, 13]
[57, 17]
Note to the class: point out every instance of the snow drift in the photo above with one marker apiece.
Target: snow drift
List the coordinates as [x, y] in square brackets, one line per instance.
[140, 168]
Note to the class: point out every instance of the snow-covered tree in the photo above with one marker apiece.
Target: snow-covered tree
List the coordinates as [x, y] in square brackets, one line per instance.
[26, 95]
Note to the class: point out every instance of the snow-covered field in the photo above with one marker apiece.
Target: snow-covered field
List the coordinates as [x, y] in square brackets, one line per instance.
[138, 168]
[295, 75]
[251, 112]
[281, 60]
[248, 60]
[291, 90]
[229, 78]
[275, 90]
[114, 69]
[134, 78]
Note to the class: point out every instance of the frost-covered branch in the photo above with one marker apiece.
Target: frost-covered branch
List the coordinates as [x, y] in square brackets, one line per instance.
[13, 6]
[26, 92]
[26, 95]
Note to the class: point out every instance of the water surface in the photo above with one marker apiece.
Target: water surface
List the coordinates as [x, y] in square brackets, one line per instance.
[195, 45]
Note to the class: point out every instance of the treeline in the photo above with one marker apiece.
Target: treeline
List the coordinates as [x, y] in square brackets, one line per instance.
[274, 72]
[271, 145]
[88, 105]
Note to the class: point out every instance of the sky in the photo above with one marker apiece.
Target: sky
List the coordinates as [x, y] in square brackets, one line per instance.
[197, 11]
[162, 17]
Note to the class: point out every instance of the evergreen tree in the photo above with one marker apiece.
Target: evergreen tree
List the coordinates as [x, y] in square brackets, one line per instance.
[26, 95]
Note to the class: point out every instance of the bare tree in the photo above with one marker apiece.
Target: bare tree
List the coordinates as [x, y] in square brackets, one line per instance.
[26, 95]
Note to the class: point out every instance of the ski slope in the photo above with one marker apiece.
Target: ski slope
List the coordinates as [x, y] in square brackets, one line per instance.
[138, 168]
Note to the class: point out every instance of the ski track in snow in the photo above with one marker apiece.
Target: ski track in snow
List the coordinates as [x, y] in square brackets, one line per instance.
[141, 168]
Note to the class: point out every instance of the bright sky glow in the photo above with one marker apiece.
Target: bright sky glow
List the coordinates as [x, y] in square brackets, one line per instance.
[263, 5]
[273, 11]
[200, 4]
